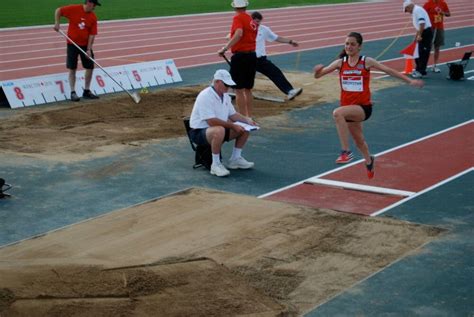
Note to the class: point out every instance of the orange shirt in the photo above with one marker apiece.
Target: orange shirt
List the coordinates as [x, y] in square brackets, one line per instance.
[247, 43]
[81, 23]
[433, 10]
[355, 83]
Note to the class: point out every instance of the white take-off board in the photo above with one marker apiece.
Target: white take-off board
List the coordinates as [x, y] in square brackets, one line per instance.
[38, 90]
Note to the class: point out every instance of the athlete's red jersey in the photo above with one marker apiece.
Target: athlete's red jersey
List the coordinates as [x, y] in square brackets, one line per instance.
[81, 23]
[355, 81]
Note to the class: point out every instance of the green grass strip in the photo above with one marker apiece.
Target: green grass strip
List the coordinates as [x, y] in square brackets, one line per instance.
[41, 12]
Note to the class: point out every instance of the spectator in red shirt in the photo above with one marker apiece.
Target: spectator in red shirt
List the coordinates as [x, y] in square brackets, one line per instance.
[437, 10]
[242, 43]
[82, 30]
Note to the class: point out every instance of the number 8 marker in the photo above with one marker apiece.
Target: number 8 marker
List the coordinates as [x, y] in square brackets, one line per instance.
[19, 93]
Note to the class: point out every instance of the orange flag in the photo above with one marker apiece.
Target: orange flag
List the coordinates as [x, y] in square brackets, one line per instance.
[411, 51]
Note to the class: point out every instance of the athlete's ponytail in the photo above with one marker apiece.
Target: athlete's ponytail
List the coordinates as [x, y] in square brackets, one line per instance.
[358, 38]
[343, 53]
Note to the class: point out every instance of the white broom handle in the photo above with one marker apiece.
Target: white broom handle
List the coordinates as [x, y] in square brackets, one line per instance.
[95, 62]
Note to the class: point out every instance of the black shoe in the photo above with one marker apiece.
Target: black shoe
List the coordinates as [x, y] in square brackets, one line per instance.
[74, 96]
[89, 95]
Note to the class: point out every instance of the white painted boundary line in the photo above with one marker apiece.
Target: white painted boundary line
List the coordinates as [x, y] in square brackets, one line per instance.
[364, 188]
[422, 192]
[139, 55]
[427, 137]
[356, 162]
[470, 77]
[307, 179]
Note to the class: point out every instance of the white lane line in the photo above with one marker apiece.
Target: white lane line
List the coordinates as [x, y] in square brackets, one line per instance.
[162, 41]
[184, 57]
[316, 11]
[427, 137]
[356, 162]
[470, 77]
[185, 27]
[187, 57]
[381, 211]
[359, 187]
[154, 36]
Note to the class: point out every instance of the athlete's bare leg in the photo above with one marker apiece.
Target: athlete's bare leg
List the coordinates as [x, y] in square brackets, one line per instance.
[341, 115]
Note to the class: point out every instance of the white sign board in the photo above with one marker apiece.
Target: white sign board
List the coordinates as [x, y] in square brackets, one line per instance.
[38, 90]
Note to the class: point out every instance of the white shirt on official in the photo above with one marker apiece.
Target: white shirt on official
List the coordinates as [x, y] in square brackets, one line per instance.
[420, 16]
[264, 34]
[209, 105]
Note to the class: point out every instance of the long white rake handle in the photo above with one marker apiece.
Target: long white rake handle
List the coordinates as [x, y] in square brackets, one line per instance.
[133, 95]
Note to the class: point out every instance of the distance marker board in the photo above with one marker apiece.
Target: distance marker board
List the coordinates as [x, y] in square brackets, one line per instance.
[38, 90]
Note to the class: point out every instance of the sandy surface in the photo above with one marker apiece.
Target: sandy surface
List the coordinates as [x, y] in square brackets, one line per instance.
[198, 253]
[201, 253]
[76, 131]
[196, 288]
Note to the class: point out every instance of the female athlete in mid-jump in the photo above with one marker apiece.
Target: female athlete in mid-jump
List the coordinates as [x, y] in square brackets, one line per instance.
[356, 105]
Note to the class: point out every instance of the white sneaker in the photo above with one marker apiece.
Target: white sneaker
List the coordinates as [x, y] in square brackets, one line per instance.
[219, 170]
[416, 74]
[436, 70]
[240, 163]
[294, 92]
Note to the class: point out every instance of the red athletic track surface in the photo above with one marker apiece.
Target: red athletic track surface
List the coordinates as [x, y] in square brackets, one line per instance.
[411, 168]
[194, 40]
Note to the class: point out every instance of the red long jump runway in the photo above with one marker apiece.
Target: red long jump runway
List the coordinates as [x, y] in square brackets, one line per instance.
[193, 40]
[401, 174]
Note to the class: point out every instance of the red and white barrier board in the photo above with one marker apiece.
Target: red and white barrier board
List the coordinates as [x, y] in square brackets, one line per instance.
[52, 88]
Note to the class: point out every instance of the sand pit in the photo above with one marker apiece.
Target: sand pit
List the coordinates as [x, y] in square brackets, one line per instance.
[201, 253]
[198, 288]
[76, 131]
[196, 253]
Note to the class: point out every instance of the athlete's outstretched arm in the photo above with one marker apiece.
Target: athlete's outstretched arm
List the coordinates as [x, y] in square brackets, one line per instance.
[320, 70]
[370, 62]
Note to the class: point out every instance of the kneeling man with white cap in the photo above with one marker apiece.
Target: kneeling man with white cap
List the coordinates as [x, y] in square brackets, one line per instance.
[213, 122]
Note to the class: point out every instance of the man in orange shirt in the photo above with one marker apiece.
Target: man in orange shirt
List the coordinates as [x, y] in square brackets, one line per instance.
[82, 30]
[437, 10]
[242, 43]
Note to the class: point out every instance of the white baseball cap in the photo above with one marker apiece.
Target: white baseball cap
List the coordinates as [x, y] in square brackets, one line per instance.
[222, 74]
[406, 3]
[239, 3]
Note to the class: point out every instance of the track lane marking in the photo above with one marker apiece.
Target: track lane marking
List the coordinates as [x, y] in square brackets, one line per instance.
[360, 187]
[428, 189]
[380, 154]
